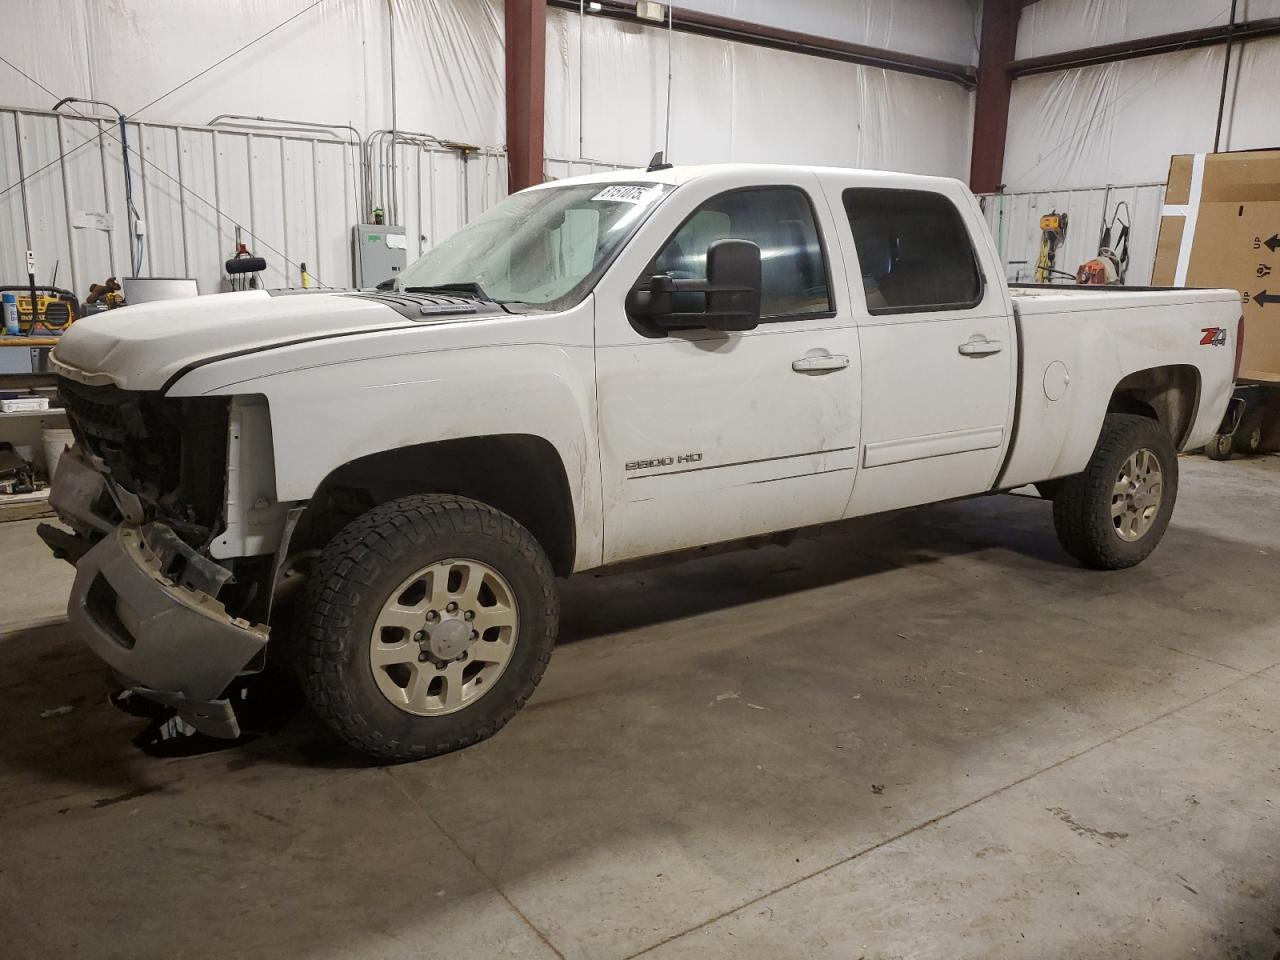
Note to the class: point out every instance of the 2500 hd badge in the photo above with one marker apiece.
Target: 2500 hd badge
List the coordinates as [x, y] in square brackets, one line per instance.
[663, 461]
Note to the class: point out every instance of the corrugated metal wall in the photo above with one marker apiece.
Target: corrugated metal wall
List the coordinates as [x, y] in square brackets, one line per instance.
[294, 195]
[1014, 219]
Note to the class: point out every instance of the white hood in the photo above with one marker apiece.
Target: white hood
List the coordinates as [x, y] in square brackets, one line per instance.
[141, 347]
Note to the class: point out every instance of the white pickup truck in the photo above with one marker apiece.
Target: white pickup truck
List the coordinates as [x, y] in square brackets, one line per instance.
[595, 371]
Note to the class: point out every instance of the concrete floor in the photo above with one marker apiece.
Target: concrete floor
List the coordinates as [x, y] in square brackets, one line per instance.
[925, 735]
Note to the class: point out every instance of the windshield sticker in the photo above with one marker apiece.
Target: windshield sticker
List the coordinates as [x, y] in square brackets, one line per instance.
[627, 193]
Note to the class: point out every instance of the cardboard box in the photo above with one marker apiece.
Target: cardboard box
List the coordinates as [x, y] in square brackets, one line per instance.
[1220, 227]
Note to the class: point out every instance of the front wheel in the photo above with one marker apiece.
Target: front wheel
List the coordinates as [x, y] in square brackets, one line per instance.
[1114, 514]
[427, 624]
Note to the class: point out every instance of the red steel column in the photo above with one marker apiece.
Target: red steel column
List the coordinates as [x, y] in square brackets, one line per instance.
[526, 55]
[991, 101]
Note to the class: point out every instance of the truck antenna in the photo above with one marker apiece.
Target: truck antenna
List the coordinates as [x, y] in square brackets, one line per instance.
[658, 163]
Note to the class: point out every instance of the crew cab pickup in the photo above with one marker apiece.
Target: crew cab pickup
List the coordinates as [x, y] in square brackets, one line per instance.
[595, 371]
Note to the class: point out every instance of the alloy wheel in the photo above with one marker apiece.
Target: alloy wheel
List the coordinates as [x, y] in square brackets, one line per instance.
[444, 637]
[1135, 499]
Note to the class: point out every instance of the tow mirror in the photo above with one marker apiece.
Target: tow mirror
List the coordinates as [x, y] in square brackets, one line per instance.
[730, 296]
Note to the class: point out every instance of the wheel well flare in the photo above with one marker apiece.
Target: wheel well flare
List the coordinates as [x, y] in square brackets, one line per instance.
[520, 474]
[1169, 395]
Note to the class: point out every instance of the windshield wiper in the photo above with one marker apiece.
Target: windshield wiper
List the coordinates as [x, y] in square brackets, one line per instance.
[468, 289]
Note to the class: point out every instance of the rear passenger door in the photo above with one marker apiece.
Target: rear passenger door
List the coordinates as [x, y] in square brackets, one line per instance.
[937, 340]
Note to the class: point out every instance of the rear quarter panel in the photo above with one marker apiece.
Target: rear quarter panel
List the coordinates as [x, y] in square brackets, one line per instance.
[1100, 337]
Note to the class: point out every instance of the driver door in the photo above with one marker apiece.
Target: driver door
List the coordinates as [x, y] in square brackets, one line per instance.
[711, 435]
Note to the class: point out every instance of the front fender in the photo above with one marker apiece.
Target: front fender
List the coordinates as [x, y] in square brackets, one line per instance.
[527, 374]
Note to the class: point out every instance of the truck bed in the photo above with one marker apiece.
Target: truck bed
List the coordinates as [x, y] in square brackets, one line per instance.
[1079, 343]
[1069, 298]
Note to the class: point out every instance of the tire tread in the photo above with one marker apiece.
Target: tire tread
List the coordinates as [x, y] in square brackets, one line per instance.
[352, 560]
[1082, 529]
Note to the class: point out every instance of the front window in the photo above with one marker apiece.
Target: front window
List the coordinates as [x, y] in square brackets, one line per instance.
[543, 248]
[780, 221]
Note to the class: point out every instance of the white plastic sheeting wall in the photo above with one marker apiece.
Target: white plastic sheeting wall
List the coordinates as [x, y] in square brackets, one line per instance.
[1014, 219]
[1053, 26]
[941, 29]
[1120, 122]
[738, 102]
[331, 63]
[294, 196]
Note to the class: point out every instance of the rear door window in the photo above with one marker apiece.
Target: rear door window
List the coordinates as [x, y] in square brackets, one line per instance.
[914, 251]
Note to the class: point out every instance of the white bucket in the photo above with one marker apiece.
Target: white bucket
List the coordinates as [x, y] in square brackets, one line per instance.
[55, 440]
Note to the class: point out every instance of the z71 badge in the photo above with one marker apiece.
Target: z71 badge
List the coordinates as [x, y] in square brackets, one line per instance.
[663, 461]
[1214, 337]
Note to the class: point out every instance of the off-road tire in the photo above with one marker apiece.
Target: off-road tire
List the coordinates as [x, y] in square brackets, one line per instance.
[1082, 506]
[354, 576]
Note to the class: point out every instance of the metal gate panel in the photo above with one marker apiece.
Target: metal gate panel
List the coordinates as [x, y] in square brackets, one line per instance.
[294, 196]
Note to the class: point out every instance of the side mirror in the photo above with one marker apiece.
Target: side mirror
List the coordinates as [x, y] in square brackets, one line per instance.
[731, 292]
[733, 279]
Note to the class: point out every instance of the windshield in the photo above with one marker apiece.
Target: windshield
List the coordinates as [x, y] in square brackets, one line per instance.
[544, 248]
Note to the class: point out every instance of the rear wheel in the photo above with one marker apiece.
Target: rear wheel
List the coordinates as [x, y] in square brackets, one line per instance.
[1115, 513]
[427, 624]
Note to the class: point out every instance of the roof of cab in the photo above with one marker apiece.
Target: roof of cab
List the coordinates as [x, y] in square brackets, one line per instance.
[684, 174]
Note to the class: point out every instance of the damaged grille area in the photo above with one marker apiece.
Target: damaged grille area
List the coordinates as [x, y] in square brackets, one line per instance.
[170, 452]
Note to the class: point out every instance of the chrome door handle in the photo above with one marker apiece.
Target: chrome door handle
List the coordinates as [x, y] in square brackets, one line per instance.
[980, 346]
[816, 364]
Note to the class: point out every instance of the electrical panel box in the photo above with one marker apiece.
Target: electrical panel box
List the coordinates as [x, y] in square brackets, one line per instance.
[378, 253]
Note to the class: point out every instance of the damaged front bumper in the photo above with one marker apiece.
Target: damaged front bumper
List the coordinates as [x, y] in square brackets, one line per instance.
[146, 602]
[170, 642]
